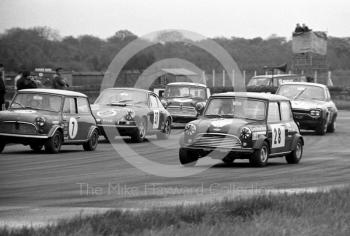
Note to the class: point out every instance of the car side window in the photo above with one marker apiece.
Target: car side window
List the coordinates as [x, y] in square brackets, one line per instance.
[153, 101]
[70, 106]
[83, 106]
[286, 113]
[274, 112]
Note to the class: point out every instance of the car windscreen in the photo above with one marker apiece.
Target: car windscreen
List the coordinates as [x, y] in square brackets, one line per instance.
[184, 91]
[47, 102]
[262, 81]
[245, 108]
[302, 92]
[122, 97]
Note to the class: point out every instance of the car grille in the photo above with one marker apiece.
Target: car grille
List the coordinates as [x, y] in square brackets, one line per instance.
[301, 111]
[17, 128]
[188, 110]
[217, 141]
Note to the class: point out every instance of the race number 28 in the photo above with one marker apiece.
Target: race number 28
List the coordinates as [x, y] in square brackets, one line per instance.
[278, 136]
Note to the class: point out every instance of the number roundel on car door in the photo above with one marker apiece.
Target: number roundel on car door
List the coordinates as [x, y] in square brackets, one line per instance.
[278, 136]
[72, 127]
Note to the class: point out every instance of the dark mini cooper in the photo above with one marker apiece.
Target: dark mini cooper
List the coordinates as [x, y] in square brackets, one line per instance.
[184, 100]
[50, 118]
[132, 112]
[254, 126]
[312, 106]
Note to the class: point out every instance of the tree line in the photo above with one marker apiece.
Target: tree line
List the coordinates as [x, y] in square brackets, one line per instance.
[43, 47]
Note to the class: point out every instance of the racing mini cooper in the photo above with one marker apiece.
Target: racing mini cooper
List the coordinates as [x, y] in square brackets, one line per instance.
[184, 100]
[50, 118]
[312, 106]
[131, 112]
[237, 125]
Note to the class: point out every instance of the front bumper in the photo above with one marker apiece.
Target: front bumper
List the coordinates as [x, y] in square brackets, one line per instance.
[122, 130]
[306, 121]
[218, 144]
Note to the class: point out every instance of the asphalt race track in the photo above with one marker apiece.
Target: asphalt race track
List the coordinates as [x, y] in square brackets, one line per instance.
[104, 179]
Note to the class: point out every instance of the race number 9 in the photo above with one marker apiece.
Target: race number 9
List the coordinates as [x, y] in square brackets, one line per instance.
[72, 128]
[278, 136]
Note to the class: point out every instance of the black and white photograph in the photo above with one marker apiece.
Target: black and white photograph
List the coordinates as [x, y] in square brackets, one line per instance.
[174, 117]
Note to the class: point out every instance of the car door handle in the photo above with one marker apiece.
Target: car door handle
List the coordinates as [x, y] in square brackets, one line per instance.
[78, 117]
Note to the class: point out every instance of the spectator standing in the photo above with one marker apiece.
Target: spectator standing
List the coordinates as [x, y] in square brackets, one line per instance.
[298, 29]
[2, 87]
[58, 81]
[26, 82]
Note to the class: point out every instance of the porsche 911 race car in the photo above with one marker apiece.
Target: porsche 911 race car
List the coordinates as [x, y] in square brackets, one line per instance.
[237, 125]
[131, 112]
[312, 106]
[184, 100]
[50, 118]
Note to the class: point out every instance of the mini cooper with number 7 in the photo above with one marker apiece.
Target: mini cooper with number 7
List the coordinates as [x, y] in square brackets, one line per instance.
[239, 125]
[131, 112]
[50, 118]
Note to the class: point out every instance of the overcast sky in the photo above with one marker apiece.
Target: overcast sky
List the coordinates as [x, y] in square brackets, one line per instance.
[239, 18]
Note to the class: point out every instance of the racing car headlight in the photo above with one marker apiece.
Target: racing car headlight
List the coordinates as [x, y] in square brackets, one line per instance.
[190, 129]
[199, 106]
[130, 115]
[40, 121]
[315, 113]
[246, 133]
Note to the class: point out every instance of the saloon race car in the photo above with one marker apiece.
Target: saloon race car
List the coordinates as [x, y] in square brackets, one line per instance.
[184, 100]
[131, 112]
[237, 125]
[312, 106]
[50, 118]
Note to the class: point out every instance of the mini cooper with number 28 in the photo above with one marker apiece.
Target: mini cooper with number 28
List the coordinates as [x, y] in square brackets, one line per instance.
[131, 112]
[50, 118]
[238, 125]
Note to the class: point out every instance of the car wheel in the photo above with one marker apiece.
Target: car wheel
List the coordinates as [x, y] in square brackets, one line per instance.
[332, 127]
[2, 146]
[322, 129]
[53, 145]
[92, 143]
[36, 147]
[295, 156]
[260, 156]
[140, 133]
[164, 134]
[188, 157]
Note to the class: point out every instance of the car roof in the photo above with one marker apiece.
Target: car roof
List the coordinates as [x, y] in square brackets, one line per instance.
[262, 96]
[188, 83]
[275, 76]
[53, 91]
[129, 88]
[305, 83]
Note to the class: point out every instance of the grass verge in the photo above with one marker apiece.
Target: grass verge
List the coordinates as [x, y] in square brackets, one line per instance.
[325, 213]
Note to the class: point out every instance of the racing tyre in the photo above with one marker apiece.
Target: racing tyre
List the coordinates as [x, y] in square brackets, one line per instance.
[92, 143]
[295, 156]
[332, 127]
[2, 146]
[188, 157]
[164, 134]
[36, 147]
[140, 133]
[322, 129]
[53, 145]
[260, 156]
